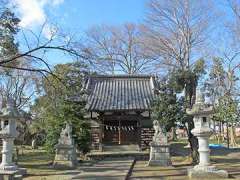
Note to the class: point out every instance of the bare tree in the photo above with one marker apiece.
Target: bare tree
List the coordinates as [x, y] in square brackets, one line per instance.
[234, 28]
[117, 49]
[20, 85]
[35, 46]
[229, 56]
[224, 78]
[176, 30]
[37, 50]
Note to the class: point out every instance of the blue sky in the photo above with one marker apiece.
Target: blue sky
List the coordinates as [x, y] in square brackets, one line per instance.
[85, 13]
[76, 16]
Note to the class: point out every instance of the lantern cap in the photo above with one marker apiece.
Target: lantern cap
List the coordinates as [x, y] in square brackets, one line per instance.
[200, 107]
[10, 111]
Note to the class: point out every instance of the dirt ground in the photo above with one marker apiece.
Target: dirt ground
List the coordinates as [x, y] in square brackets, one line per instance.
[38, 164]
[225, 159]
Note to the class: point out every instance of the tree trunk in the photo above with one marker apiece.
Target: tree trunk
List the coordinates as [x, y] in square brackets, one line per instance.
[227, 136]
[219, 132]
[190, 100]
[214, 126]
[193, 143]
[223, 131]
[174, 134]
[220, 127]
[194, 148]
[232, 136]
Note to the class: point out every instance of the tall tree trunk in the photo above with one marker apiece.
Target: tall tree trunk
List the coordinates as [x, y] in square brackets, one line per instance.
[227, 136]
[190, 99]
[223, 131]
[232, 136]
[174, 134]
[220, 127]
[214, 126]
[193, 141]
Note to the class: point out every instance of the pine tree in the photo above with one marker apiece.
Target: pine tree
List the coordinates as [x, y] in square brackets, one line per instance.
[8, 30]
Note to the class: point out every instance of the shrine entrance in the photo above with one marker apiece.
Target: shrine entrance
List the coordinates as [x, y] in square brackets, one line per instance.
[122, 132]
[119, 109]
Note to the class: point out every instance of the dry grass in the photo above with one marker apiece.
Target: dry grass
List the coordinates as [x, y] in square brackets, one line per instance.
[225, 159]
[38, 164]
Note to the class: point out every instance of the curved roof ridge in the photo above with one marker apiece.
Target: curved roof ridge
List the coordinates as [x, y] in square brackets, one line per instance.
[120, 92]
[122, 76]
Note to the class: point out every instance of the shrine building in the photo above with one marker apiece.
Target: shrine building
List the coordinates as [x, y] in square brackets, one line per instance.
[119, 108]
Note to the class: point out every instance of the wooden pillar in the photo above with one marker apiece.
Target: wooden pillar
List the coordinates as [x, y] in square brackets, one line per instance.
[101, 133]
[139, 134]
[119, 132]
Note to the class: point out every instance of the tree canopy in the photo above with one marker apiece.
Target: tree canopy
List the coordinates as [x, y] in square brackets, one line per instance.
[58, 105]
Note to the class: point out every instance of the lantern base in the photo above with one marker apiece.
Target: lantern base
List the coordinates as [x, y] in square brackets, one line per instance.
[207, 172]
[8, 167]
[13, 174]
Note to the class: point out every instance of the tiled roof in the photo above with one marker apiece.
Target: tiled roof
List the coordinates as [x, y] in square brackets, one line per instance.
[120, 92]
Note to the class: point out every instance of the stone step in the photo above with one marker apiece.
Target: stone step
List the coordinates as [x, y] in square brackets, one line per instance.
[18, 177]
[117, 148]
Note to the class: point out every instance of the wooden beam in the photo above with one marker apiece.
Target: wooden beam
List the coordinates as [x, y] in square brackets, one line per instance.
[139, 126]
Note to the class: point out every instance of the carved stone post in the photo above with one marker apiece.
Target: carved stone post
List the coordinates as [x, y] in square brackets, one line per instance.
[65, 149]
[159, 148]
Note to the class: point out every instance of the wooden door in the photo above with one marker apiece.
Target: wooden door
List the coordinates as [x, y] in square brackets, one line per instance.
[111, 134]
[129, 134]
[120, 132]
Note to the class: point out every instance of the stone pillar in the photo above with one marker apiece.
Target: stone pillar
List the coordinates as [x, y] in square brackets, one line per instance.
[203, 151]
[159, 148]
[7, 152]
[202, 131]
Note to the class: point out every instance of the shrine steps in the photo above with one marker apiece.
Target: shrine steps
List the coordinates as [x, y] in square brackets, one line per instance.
[117, 148]
[119, 151]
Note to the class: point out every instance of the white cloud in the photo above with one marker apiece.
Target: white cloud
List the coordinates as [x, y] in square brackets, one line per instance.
[57, 2]
[32, 12]
[49, 31]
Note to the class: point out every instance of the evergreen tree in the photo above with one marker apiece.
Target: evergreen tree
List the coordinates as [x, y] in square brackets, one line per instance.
[58, 105]
[8, 29]
[186, 81]
[167, 109]
[223, 91]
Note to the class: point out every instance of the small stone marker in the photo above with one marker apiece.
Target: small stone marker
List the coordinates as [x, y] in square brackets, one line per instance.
[159, 148]
[65, 149]
[201, 113]
[34, 144]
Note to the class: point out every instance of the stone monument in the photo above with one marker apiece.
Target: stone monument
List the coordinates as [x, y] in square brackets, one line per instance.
[159, 148]
[8, 133]
[202, 131]
[65, 149]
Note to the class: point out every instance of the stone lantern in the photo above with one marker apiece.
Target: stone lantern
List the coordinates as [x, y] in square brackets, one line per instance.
[8, 117]
[201, 113]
